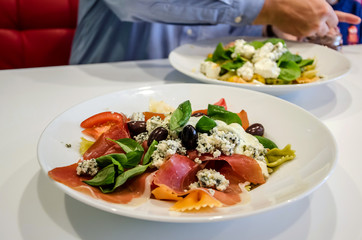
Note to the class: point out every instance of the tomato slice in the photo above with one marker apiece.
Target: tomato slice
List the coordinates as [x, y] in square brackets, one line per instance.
[96, 132]
[221, 103]
[103, 118]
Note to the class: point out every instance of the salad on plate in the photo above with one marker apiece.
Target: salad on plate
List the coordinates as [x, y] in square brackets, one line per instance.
[196, 159]
[267, 62]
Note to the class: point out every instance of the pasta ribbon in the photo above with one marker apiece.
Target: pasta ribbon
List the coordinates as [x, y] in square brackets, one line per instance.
[195, 200]
[164, 193]
[275, 157]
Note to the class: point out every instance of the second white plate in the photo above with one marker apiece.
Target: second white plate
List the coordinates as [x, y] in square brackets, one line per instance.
[330, 63]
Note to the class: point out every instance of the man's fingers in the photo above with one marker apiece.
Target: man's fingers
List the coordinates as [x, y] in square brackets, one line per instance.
[323, 29]
[348, 17]
[331, 17]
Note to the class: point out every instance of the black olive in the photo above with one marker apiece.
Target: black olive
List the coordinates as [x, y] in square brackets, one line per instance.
[198, 114]
[158, 134]
[136, 127]
[188, 137]
[255, 129]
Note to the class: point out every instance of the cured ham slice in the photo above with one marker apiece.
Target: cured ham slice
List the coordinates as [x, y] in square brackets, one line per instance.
[177, 173]
[134, 188]
[245, 167]
[103, 146]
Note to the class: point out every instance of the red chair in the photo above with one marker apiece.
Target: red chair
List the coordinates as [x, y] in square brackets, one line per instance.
[36, 33]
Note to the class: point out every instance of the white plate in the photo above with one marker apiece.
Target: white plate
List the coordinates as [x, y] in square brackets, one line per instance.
[330, 63]
[284, 123]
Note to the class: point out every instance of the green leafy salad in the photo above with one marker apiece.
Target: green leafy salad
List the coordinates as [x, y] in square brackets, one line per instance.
[259, 62]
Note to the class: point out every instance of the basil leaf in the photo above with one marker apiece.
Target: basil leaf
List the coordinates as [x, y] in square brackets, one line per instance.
[205, 124]
[151, 149]
[305, 62]
[104, 177]
[180, 116]
[267, 143]
[219, 113]
[118, 165]
[122, 178]
[105, 160]
[289, 71]
[256, 44]
[128, 144]
[133, 159]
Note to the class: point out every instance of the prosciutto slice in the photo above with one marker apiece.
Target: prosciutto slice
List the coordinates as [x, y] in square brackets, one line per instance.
[245, 167]
[103, 146]
[134, 188]
[177, 173]
[180, 171]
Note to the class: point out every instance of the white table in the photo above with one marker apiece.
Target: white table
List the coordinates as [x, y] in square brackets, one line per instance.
[32, 208]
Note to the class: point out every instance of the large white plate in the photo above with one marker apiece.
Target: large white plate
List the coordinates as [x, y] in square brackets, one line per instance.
[284, 123]
[330, 63]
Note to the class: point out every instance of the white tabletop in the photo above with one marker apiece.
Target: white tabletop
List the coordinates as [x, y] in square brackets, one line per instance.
[32, 208]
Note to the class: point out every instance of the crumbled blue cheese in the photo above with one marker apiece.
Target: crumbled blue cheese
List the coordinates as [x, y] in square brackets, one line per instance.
[210, 178]
[153, 123]
[140, 138]
[156, 121]
[87, 167]
[221, 140]
[210, 69]
[197, 160]
[230, 139]
[137, 116]
[165, 149]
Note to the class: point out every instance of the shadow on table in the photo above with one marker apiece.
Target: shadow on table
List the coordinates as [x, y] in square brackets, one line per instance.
[325, 101]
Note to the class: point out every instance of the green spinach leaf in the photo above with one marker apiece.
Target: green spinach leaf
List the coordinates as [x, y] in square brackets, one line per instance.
[288, 56]
[235, 64]
[275, 41]
[289, 71]
[305, 62]
[220, 53]
[256, 44]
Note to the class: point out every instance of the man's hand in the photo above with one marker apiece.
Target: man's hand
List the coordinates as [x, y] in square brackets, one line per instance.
[303, 18]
